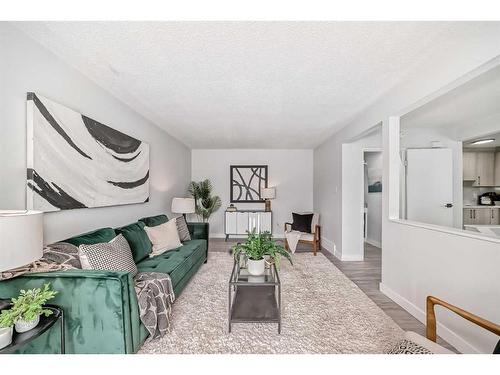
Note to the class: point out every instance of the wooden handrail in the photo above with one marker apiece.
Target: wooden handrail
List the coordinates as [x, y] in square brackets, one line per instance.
[431, 318]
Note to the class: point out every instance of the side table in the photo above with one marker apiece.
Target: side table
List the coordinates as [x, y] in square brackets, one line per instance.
[46, 322]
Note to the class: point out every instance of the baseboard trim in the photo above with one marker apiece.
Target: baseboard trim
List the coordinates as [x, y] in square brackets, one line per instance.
[447, 334]
[328, 245]
[351, 258]
[373, 243]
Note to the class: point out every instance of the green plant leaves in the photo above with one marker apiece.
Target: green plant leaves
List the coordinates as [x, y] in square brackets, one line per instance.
[205, 203]
[259, 245]
[28, 305]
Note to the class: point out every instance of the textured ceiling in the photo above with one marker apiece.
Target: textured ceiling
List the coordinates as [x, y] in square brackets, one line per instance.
[247, 84]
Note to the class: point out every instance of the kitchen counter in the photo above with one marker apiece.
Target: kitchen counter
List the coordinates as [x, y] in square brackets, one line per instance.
[480, 206]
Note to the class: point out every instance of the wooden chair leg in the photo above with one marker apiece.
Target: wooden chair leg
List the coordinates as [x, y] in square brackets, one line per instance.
[315, 247]
[286, 245]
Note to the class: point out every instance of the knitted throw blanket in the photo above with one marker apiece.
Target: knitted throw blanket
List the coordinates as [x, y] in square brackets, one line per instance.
[155, 293]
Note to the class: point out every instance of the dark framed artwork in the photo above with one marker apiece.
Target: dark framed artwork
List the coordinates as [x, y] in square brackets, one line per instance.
[246, 182]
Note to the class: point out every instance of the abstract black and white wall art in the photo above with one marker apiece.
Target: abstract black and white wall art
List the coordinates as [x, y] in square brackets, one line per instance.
[246, 182]
[76, 162]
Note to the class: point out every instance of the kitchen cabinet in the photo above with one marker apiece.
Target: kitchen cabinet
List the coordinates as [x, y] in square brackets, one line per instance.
[241, 222]
[479, 167]
[482, 216]
[495, 216]
[469, 162]
[485, 168]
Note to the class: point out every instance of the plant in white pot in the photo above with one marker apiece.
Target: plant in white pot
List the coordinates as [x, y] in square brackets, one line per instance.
[6, 328]
[27, 308]
[256, 248]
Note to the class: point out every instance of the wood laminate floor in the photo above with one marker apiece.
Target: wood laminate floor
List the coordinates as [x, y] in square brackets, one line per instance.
[366, 275]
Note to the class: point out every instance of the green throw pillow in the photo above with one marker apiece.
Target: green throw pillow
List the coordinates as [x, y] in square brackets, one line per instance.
[138, 240]
[153, 221]
[90, 238]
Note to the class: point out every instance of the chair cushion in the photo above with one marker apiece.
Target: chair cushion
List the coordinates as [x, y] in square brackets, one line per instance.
[153, 221]
[137, 238]
[413, 343]
[177, 262]
[306, 236]
[302, 222]
[90, 238]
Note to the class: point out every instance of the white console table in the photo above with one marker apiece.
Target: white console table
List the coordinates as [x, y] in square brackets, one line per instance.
[241, 222]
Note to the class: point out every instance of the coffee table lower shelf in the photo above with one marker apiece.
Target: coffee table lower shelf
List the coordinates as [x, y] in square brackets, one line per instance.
[254, 304]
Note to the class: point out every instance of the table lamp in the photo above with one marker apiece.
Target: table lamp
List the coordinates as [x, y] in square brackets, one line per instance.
[21, 238]
[183, 206]
[268, 194]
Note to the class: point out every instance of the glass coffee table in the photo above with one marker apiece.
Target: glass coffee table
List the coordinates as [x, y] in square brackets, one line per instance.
[254, 299]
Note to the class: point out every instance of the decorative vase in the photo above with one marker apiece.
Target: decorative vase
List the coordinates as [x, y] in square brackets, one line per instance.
[5, 336]
[256, 267]
[24, 326]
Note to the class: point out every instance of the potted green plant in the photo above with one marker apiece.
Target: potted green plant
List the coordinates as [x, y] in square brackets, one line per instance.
[205, 203]
[27, 308]
[6, 328]
[256, 247]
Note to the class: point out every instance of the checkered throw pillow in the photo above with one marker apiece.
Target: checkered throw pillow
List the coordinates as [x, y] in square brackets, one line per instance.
[114, 255]
[182, 228]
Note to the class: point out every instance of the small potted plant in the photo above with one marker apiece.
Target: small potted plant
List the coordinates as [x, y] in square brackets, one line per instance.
[6, 328]
[256, 247]
[27, 308]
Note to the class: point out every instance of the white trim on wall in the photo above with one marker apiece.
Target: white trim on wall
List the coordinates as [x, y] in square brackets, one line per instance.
[448, 335]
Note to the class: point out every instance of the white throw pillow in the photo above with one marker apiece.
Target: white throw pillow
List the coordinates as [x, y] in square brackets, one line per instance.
[164, 237]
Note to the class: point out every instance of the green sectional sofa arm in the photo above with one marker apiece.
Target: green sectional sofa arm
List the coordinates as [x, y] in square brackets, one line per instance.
[100, 309]
[199, 231]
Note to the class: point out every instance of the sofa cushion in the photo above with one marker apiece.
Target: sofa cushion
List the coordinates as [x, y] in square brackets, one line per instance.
[110, 256]
[175, 262]
[153, 221]
[164, 237]
[137, 238]
[90, 238]
[182, 228]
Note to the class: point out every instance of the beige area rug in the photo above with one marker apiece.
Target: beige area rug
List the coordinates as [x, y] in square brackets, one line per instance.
[323, 312]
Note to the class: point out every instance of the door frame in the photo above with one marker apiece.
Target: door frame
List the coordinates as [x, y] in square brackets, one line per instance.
[352, 248]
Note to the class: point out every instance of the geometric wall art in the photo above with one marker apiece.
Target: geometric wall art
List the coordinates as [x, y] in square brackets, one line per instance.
[246, 182]
[74, 161]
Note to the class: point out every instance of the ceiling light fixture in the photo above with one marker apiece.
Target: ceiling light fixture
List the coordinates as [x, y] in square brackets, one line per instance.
[483, 141]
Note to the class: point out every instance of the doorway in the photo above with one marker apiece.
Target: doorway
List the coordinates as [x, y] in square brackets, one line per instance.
[372, 213]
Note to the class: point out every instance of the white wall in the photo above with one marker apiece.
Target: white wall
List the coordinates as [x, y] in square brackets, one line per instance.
[27, 66]
[472, 285]
[374, 202]
[291, 171]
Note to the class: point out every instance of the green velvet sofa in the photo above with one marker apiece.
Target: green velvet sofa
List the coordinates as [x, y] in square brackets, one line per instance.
[100, 307]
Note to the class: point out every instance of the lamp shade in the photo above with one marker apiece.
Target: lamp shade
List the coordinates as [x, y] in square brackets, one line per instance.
[268, 193]
[21, 238]
[182, 205]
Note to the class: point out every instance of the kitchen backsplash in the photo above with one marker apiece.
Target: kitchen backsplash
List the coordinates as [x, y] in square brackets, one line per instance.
[471, 193]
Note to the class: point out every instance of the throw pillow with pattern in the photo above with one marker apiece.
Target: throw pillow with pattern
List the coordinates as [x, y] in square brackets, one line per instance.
[183, 230]
[114, 255]
[406, 346]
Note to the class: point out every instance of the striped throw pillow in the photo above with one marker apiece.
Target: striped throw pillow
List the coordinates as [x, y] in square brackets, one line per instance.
[182, 228]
